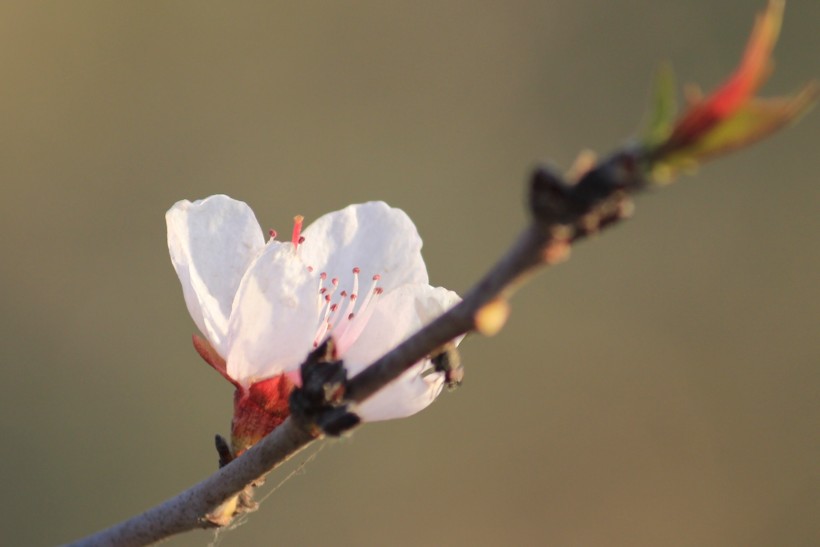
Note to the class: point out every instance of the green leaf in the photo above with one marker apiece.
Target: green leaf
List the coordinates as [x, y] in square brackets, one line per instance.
[663, 107]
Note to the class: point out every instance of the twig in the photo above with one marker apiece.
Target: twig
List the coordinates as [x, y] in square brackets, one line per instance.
[188, 510]
[562, 214]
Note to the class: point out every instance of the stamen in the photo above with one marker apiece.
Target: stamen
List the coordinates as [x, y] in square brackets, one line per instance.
[272, 233]
[340, 330]
[373, 290]
[344, 321]
[297, 231]
[322, 289]
[320, 333]
[358, 320]
[329, 291]
[333, 321]
[356, 271]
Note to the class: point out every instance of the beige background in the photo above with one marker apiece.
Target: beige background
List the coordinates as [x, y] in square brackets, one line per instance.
[658, 389]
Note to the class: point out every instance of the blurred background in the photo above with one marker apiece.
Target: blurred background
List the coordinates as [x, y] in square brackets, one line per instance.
[660, 388]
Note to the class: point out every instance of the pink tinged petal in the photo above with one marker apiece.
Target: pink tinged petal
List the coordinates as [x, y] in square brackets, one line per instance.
[274, 316]
[212, 242]
[374, 237]
[397, 315]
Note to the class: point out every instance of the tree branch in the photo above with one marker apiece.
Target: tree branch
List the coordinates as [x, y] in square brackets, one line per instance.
[562, 214]
[190, 509]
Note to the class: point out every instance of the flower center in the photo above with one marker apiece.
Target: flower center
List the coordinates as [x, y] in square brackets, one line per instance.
[344, 314]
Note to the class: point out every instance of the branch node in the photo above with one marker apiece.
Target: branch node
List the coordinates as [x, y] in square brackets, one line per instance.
[491, 317]
[558, 249]
[549, 196]
[621, 172]
[319, 405]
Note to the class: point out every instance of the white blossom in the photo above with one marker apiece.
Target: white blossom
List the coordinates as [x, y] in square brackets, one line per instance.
[356, 275]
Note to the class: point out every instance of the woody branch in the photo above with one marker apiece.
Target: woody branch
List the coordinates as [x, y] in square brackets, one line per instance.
[562, 214]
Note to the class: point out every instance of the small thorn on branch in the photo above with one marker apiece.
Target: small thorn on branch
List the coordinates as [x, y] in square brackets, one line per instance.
[223, 448]
[236, 505]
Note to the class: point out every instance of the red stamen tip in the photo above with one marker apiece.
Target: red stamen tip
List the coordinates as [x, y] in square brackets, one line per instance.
[353, 296]
[310, 268]
[376, 277]
[272, 233]
[335, 281]
[323, 275]
[356, 270]
[333, 307]
[350, 316]
[343, 294]
[378, 290]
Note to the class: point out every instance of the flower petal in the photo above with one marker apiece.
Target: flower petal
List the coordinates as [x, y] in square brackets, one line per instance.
[399, 314]
[275, 316]
[212, 242]
[372, 236]
[409, 393]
